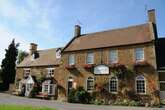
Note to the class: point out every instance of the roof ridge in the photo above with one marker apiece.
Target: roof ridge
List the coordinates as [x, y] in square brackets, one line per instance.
[48, 49]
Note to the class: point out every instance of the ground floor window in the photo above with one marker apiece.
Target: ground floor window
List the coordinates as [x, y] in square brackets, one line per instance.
[113, 85]
[48, 88]
[140, 85]
[90, 84]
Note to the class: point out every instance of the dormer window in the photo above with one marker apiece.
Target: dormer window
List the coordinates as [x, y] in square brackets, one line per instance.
[58, 53]
[35, 55]
[139, 54]
[50, 72]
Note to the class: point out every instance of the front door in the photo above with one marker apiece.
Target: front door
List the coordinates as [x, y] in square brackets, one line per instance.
[70, 86]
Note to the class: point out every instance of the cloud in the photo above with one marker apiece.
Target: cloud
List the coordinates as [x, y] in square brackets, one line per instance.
[6, 38]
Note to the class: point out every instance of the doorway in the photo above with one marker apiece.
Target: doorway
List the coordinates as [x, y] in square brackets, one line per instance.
[70, 84]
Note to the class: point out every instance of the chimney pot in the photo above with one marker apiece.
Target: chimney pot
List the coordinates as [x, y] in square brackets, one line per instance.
[33, 48]
[77, 31]
[151, 16]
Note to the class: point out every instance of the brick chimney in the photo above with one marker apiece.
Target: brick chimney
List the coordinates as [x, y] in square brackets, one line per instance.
[151, 16]
[152, 19]
[33, 48]
[77, 31]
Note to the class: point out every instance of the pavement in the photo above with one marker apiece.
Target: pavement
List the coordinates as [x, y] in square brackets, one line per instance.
[10, 99]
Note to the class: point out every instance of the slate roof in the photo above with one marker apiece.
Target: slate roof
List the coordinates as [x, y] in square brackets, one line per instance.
[117, 37]
[46, 58]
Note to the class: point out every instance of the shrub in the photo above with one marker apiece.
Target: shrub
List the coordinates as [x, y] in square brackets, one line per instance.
[79, 96]
[71, 96]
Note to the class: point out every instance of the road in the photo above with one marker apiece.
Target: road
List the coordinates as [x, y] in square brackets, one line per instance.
[9, 99]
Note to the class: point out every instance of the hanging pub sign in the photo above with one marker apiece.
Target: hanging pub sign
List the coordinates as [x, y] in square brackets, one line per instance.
[101, 69]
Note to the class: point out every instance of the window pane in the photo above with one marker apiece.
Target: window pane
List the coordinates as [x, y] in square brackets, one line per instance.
[113, 56]
[51, 89]
[139, 54]
[90, 84]
[161, 76]
[46, 88]
[71, 59]
[113, 85]
[140, 85]
[162, 86]
[90, 58]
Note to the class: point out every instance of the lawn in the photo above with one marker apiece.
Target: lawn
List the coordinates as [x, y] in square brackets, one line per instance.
[21, 107]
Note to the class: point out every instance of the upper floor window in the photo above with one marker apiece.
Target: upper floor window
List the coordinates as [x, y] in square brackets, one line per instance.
[71, 59]
[50, 72]
[90, 58]
[113, 56]
[113, 85]
[140, 85]
[139, 54]
[90, 83]
[26, 72]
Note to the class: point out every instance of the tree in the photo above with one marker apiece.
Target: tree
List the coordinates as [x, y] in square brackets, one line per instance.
[21, 56]
[9, 65]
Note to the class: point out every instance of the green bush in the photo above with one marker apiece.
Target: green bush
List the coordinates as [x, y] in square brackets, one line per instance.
[79, 96]
[71, 96]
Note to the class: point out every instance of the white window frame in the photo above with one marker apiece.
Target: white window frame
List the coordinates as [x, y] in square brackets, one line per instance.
[137, 52]
[136, 79]
[71, 59]
[48, 88]
[113, 56]
[90, 58]
[27, 72]
[89, 79]
[111, 79]
[50, 72]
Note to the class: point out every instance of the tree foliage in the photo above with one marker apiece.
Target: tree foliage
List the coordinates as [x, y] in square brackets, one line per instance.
[9, 65]
[21, 56]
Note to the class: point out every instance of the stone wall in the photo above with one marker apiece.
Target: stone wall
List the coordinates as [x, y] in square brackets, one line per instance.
[126, 57]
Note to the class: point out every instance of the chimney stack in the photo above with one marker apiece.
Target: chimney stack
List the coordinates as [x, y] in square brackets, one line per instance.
[77, 31]
[33, 48]
[151, 16]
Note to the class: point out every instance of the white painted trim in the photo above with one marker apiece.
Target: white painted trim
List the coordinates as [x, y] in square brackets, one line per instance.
[135, 54]
[50, 69]
[87, 83]
[86, 59]
[161, 71]
[161, 81]
[116, 83]
[145, 83]
[53, 89]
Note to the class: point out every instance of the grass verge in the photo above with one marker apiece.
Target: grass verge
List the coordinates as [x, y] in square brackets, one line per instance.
[22, 107]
